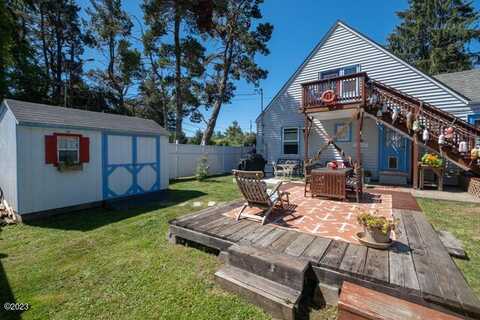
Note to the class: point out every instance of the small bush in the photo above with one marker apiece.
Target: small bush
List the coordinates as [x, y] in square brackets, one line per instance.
[202, 169]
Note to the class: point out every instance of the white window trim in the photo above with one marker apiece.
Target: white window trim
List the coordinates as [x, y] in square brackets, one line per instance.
[68, 149]
[297, 141]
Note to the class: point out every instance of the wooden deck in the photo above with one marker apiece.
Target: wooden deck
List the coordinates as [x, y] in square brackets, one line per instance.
[417, 267]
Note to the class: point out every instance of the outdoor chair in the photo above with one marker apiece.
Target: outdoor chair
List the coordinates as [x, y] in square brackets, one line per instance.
[354, 182]
[308, 173]
[256, 194]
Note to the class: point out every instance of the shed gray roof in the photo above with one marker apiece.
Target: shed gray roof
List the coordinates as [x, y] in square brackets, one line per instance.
[467, 83]
[28, 113]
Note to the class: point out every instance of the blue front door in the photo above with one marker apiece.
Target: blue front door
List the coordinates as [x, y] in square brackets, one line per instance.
[394, 151]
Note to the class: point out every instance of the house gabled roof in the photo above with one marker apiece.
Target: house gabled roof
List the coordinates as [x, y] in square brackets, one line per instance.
[465, 82]
[35, 114]
[375, 44]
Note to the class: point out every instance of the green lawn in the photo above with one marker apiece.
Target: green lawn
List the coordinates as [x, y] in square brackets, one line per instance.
[463, 221]
[118, 264]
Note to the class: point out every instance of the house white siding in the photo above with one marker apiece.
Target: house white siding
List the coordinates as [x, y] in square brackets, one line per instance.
[344, 47]
[42, 186]
[8, 156]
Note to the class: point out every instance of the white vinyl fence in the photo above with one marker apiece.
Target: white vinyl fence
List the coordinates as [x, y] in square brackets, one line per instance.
[183, 158]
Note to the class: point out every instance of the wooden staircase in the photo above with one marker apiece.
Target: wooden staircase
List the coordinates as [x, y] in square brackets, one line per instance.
[398, 111]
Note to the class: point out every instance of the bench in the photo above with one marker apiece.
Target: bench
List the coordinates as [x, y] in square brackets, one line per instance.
[281, 167]
[359, 303]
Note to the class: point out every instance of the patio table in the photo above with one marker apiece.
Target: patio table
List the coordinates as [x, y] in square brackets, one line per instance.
[330, 183]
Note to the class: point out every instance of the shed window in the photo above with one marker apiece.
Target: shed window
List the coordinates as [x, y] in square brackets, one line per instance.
[290, 140]
[68, 148]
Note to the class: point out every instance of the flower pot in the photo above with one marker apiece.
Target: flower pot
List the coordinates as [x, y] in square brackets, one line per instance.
[376, 235]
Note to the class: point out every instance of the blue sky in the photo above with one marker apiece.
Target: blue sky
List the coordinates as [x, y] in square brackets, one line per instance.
[298, 26]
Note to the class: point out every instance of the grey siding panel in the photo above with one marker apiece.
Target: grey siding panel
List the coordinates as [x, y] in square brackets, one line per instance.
[345, 47]
[8, 152]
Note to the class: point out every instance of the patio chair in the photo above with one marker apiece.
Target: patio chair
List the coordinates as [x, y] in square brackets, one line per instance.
[354, 182]
[256, 194]
[308, 166]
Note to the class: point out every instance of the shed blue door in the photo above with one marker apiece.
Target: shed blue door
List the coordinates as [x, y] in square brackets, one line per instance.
[130, 165]
[394, 151]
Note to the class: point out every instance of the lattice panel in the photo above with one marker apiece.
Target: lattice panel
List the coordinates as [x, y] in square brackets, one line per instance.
[474, 187]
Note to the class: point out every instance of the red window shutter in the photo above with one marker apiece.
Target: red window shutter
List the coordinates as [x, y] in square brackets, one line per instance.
[84, 149]
[51, 150]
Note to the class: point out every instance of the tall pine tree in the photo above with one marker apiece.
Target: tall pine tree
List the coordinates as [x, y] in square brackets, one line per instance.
[435, 35]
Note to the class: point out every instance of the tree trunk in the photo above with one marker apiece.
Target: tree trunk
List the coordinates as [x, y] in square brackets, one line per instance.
[207, 135]
[227, 61]
[178, 76]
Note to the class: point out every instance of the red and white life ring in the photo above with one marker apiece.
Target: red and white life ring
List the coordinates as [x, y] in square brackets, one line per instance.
[328, 96]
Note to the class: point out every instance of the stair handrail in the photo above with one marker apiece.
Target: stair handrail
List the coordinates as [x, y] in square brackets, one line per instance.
[427, 106]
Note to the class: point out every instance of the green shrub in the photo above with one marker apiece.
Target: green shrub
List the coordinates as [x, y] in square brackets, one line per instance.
[202, 169]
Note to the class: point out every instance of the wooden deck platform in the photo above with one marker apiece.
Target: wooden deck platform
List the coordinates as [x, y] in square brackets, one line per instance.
[417, 267]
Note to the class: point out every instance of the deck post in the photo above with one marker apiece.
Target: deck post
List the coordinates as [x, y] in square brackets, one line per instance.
[358, 137]
[306, 135]
[415, 152]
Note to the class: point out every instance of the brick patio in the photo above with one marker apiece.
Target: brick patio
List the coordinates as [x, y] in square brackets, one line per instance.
[321, 217]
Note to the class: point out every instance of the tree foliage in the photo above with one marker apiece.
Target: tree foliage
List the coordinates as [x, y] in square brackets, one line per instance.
[184, 63]
[110, 29]
[435, 35]
[240, 38]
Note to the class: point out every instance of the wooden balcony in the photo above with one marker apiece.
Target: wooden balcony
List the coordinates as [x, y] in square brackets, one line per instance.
[348, 92]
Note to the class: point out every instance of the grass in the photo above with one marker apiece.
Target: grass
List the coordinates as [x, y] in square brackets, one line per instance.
[105, 264]
[463, 221]
[117, 264]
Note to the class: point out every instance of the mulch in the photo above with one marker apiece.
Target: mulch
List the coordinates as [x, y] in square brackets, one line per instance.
[400, 200]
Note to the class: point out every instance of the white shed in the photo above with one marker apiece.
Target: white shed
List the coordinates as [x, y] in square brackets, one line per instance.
[56, 159]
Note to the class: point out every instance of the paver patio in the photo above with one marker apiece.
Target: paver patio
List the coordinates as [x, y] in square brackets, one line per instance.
[322, 217]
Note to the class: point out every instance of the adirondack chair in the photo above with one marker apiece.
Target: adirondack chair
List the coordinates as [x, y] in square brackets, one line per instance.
[256, 194]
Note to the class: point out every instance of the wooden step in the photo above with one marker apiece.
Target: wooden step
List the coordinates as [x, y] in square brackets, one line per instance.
[280, 301]
[360, 303]
[281, 268]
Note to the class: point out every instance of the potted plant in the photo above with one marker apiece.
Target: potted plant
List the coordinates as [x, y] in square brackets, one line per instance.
[432, 160]
[367, 176]
[377, 228]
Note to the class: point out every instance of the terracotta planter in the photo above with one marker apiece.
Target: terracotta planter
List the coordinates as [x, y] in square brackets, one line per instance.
[376, 235]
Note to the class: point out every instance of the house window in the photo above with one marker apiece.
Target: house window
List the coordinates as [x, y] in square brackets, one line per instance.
[330, 74]
[290, 140]
[68, 148]
[345, 71]
[343, 132]
[392, 163]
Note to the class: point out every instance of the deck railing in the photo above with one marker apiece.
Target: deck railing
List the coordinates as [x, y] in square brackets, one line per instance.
[348, 89]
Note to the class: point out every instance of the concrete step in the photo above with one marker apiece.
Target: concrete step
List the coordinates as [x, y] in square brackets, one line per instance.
[281, 268]
[280, 301]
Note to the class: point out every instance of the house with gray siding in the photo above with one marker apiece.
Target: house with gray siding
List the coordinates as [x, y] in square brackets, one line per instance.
[341, 52]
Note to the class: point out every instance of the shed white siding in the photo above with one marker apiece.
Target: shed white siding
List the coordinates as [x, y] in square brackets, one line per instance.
[344, 47]
[8, 156]
[41, 186]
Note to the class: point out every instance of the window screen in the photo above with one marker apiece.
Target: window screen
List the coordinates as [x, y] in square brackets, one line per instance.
[290, 141]
[68, 149]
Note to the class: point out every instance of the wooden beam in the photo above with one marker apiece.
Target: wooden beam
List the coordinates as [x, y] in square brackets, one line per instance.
[358, 137]
[415, 151]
